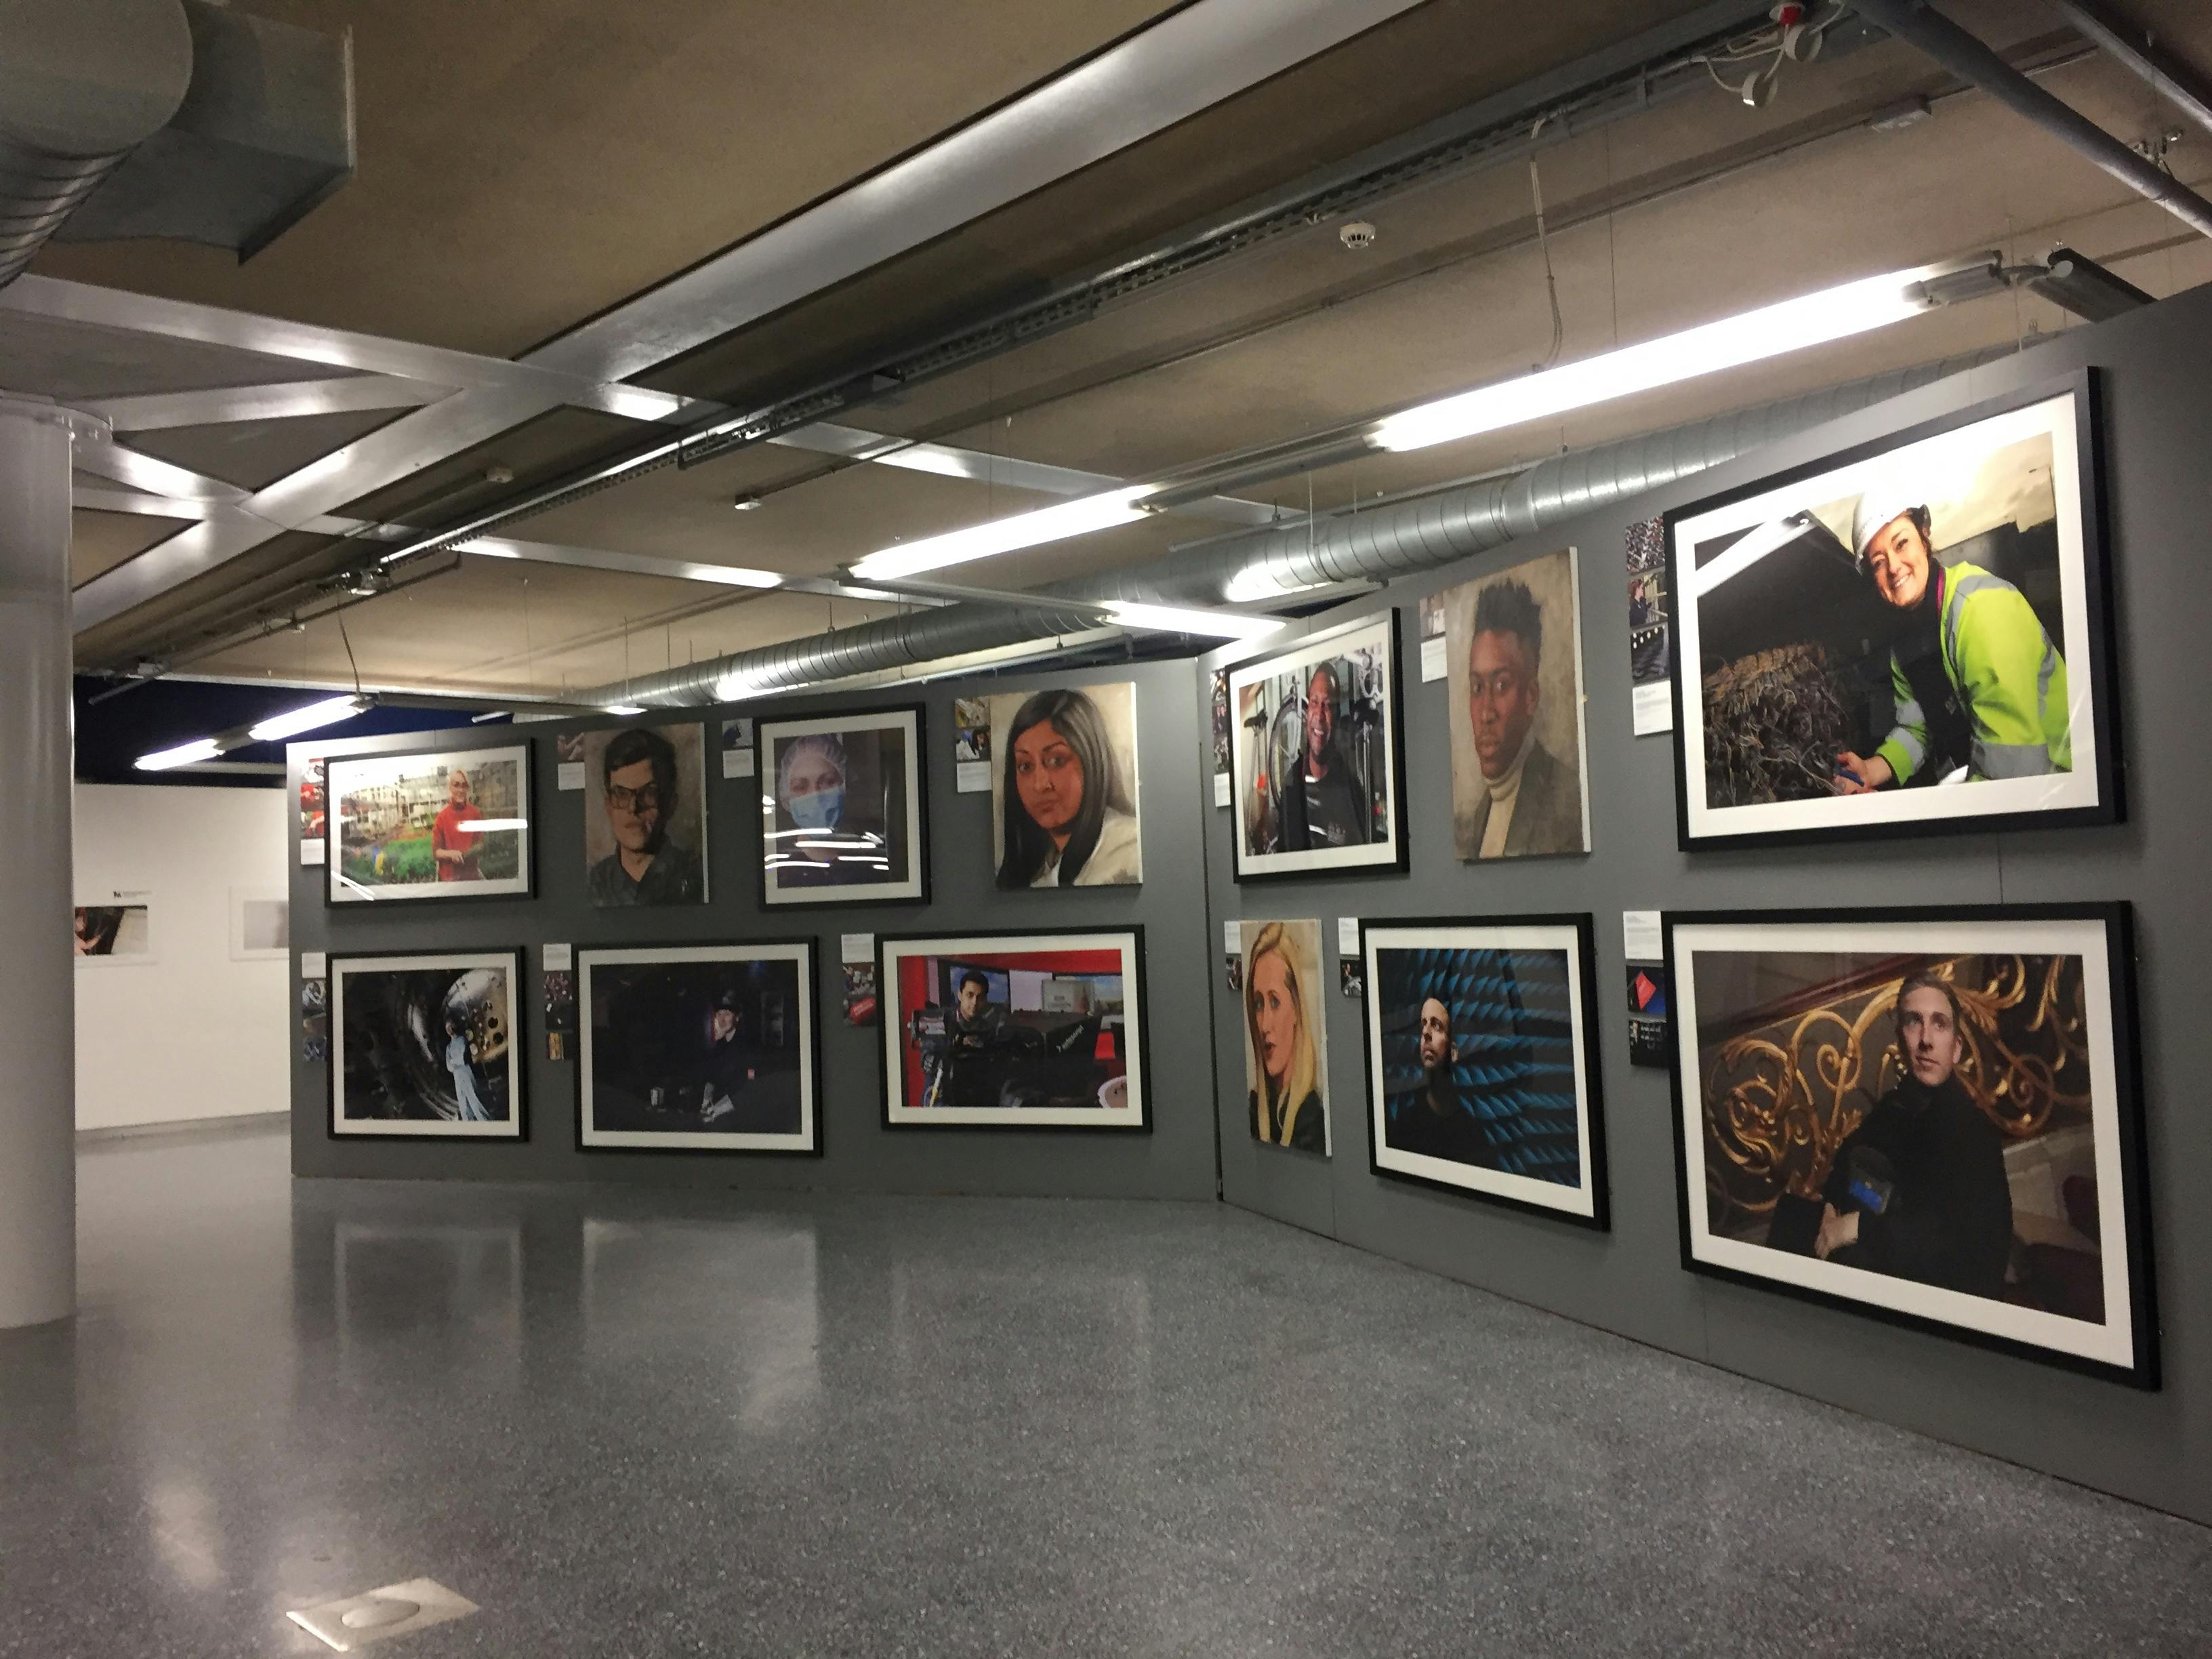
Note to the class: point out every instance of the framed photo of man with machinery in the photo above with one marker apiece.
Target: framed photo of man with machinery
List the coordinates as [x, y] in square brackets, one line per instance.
[1318, 770]
[1022, 1030]
[1911, 635]
[1482, 1060]
[1930, 1115]
[699, 1048]
[426, 1046]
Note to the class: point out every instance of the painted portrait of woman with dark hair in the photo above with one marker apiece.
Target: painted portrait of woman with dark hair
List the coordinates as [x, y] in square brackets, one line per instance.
[1067, 787]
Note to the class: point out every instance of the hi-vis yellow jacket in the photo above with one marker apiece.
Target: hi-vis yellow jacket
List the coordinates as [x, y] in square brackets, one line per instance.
[2010, 680]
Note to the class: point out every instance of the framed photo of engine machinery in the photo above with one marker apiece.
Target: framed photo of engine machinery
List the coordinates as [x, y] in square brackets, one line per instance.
[1316, 763]
[426, 1046]
[699, 1048]
[1027, 1029]
[1909, 635]
[1932, 1116]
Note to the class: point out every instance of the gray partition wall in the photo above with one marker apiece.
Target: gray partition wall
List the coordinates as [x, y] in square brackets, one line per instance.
[2154, 1447]
[1174, 1160]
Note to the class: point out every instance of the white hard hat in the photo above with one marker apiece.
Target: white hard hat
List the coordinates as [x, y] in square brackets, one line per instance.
[1885, 501]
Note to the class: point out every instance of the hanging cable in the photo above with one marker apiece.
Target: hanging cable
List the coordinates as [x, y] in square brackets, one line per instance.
[1544, 248]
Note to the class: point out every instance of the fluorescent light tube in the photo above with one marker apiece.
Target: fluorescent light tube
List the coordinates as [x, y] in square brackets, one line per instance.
[329, 712]
[1174, 619]
[1774, 331]
[184, 754]
[625, 709]
[981, 541]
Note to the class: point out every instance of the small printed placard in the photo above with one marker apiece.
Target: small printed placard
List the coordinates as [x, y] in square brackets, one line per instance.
[856, 947]
[1347, 936]
[1221, 788]
[560, 957]
[569, 775]
[1434, 665]
[310, 852]
[1639, 936]
[1232, 940]
[971, 777]
[737, 763]
[314, 964]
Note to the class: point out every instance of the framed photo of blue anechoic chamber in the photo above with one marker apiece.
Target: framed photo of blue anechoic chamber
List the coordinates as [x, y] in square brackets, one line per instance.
[1482, 1072]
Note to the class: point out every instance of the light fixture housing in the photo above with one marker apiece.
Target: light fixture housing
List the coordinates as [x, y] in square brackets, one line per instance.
[311, 718]
[1180, 619]
[1080, 517]
[184, 754]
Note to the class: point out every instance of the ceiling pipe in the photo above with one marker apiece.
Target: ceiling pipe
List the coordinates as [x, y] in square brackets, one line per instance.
[1919, 24]
[1418, 533]
[2136, 50]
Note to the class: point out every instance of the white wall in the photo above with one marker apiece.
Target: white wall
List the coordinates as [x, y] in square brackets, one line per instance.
[192, 1033]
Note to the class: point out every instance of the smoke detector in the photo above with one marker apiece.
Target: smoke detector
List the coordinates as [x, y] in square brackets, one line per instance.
[1357, 236]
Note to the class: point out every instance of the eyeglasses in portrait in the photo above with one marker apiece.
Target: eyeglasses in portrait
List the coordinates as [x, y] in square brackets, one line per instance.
[841, 809]
[1020, 1029]
[701, 1048]
[1908, 635]
[1315, 755]
[1930, 1115]
[1513, 660]
[445, 825]
[1064, 787]
[645, 815]
[1482, 1062]
[426, 1046]
[1285, 1034]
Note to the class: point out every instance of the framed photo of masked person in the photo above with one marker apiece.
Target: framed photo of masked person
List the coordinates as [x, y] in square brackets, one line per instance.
[1482, 1060]
[1019, 1030]
[1931, 1116]
[1315, 757]
[1909, 636]
[841, 812]
[699, 1048]
[645, 815]
[1513, 644]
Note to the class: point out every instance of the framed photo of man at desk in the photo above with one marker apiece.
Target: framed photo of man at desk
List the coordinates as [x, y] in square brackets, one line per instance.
[1318, 771]
[1928, 1115]
[699, 1048]
[1906, 636]
[1024, 1029]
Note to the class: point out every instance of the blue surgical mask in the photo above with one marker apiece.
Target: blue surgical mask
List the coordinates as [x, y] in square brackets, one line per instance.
[818, 810]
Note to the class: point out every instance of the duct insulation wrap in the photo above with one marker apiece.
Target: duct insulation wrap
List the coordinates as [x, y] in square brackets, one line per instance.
[82, 83]
[1413, 535]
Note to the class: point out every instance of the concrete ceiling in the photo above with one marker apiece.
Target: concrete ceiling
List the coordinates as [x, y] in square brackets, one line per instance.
[526, 167]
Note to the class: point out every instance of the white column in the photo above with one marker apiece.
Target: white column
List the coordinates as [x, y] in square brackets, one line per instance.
[37, 993]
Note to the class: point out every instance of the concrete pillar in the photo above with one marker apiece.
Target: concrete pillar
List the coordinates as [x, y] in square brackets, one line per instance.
[37, 992]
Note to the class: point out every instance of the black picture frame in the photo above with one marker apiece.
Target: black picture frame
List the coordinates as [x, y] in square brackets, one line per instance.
[764, 730]
[334, 1062]
[1129, 940]
[2097, 643]
[1496, 1189]
[2129, 1174]
[438, 892]
[1332, 862]
[673, 949]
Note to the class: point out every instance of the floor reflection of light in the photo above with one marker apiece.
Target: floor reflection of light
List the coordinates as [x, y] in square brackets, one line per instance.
[184, 1535]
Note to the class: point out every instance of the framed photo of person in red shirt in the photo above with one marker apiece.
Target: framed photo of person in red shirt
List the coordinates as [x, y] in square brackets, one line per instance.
[447, 824]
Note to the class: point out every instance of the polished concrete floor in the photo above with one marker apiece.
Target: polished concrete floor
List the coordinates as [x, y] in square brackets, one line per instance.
[633, 1423]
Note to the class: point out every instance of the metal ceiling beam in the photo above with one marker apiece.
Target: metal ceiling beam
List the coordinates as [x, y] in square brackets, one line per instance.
[226, 405]
[109, 460]
[2137, 50]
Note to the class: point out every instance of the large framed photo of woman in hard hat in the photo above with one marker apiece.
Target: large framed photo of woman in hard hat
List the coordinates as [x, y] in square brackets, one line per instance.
[1905, 636]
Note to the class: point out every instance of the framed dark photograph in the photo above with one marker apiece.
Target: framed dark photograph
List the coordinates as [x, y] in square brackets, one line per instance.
[1024, 1030]
[699, 1048]
[843, 818]
[442, 824]
[1906, 636]
[1317, 766]
[1482, 1060]
[1929, 1116]
[426, 1046]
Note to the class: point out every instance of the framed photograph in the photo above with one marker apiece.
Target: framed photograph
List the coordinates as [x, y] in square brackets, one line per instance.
[700, 1048]
[1318, 774]
[1064, 787]
[116, 930]
[1928, 1115]
[645, 815]
[1482, 1060]
[260, 924]
[1279, 975]
[1029, 1030]
[841, 812]
[1651, 641]
[1905, 636]
[443, 824]
[426, 1047]
[1513, 648]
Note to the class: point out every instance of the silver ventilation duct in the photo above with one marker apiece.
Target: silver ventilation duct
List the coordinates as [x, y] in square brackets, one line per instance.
[1413, 535]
